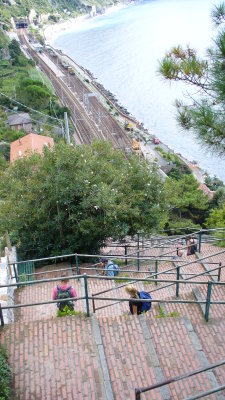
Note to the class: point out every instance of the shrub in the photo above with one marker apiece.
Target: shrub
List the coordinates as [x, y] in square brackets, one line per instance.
[66, 311]
[5, 376]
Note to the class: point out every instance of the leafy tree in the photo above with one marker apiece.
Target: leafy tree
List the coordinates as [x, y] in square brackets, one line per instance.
[34, 93]
[73, 199]
[56, 110]
[216, 219]
[205, 113]
[14, 51]
[187, 203]
[213, 183]
[5, 376]
[218, 198]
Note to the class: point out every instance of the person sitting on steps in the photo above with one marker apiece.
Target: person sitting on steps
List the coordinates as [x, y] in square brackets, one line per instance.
[191, 246]
[137, 307]
[64, 291]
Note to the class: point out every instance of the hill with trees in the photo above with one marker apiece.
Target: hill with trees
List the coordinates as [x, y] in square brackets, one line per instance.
[54, 9]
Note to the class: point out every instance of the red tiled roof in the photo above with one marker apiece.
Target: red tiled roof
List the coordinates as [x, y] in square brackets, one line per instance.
[29, 144]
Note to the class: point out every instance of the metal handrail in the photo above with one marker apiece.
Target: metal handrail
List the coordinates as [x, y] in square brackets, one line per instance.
[171, 269]
[87, 297]
[100, 255]
[103, 269]
[202, 231]
[138, 391]
[203, 394]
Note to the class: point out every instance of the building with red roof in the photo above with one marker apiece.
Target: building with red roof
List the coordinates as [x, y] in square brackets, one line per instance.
[29, 144]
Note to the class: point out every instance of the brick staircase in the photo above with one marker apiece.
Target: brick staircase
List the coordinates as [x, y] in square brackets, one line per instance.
[109, 354]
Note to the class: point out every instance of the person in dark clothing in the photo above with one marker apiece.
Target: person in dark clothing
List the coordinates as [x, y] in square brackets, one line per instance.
[191, 246]
[135, 306]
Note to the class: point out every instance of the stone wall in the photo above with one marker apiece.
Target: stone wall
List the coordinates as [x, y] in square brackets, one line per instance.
[7, 294]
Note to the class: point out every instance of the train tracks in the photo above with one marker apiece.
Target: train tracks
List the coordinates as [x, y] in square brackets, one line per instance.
[91, 122]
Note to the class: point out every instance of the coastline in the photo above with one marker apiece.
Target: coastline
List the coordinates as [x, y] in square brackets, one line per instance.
[52, 31]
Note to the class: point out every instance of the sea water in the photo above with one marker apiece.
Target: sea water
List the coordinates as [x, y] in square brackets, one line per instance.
[122, 49]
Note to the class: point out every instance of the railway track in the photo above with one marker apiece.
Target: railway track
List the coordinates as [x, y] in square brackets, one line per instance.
[90, 123]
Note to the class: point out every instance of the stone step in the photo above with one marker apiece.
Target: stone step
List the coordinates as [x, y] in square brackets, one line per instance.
[55, 359]
[179, 350]
[108, 357]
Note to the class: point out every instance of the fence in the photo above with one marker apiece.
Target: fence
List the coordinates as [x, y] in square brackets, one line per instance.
[138, 255]
[85, 277]
[138, 391]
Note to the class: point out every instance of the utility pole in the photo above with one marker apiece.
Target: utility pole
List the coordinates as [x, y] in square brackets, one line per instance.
[99, 119]
[67, 127]
[68, 78]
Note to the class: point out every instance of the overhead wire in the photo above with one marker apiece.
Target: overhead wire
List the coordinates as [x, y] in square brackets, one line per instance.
[31, 119]
[29, 108]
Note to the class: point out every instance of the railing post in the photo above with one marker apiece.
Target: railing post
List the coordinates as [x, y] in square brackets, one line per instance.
[86, 294]
[137, 394]
[219, 272]
[93, 303]
[77, 265]
[138, 243]
[178, 278]
[16, 274]
[199, 242]
[1, 316]
[125, 249]
[156, 271]
[208, 301]
[138, 260]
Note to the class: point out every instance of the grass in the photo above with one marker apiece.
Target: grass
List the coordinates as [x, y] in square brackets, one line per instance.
[163, 313]
[118, 280]
[148, 282]
[67, 312]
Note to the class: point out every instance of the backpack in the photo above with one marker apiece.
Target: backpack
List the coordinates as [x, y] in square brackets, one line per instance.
[145, 306]
[116, 270]
[64, 294]
[112, 269]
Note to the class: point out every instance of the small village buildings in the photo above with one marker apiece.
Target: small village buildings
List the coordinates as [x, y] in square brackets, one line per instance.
[20, 121]
[29, 144]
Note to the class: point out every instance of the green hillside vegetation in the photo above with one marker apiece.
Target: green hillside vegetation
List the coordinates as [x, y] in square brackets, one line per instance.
[5, 376]
[187, 203]
[21, 8]
[50, 208]
[22, 85]
[180, 168]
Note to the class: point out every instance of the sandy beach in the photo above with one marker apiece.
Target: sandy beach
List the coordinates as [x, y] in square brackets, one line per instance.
[52, 31]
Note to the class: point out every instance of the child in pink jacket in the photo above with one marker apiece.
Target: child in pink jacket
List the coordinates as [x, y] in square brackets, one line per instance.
[64, 291]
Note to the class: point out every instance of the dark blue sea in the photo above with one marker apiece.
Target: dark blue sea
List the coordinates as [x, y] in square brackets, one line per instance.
[123, 48]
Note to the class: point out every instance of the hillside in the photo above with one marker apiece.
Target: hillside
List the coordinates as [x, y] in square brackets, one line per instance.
[40, 10]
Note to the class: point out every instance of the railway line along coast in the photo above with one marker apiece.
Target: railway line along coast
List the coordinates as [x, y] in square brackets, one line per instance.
[95, 112]
[90, 118]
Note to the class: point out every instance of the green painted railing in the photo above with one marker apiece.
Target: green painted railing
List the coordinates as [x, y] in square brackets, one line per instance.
[85, 277]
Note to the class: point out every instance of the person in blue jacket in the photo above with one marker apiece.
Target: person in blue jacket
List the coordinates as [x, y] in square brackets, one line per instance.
[111, 269]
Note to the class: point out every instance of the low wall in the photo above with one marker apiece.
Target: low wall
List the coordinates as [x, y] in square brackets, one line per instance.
[7, 294]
